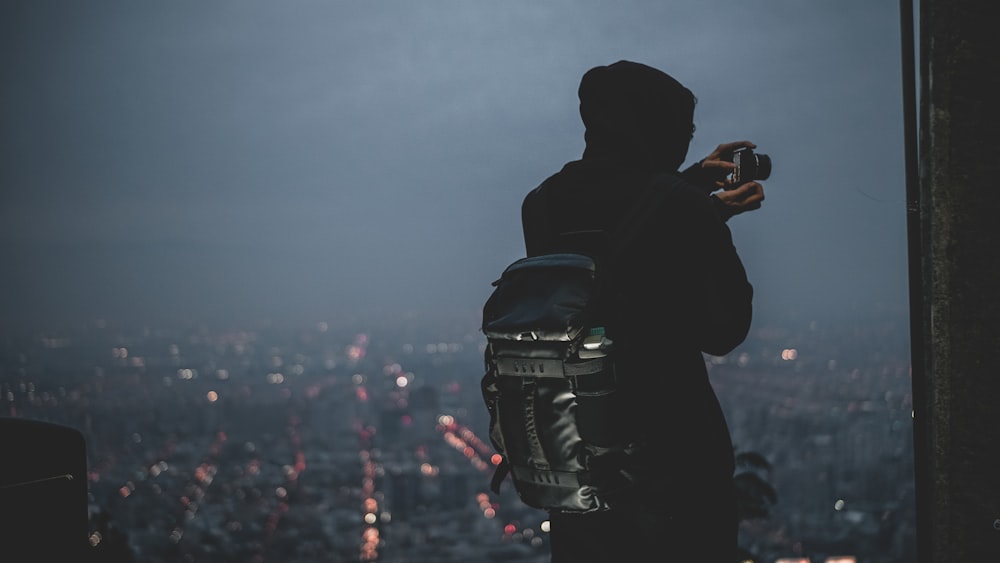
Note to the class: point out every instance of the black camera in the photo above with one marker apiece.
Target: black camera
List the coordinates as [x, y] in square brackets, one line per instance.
[750, 166]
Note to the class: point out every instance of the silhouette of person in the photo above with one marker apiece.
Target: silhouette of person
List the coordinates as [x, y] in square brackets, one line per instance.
[681, 291]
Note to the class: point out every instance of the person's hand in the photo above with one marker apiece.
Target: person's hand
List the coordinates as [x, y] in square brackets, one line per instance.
[719, 163]
[714, 171]
[740, 199]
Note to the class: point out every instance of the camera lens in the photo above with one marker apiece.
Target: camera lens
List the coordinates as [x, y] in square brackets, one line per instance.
[763, 167]
[750, 166]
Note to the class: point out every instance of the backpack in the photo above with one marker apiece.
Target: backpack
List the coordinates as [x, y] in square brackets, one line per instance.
[550, 384]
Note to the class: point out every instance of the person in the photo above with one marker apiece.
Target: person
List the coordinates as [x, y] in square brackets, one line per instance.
[681, 291]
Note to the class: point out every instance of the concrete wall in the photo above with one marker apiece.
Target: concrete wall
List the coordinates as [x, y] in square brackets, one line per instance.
[955, 248]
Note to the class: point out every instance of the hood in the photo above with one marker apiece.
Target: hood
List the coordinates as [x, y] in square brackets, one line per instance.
[636, 113]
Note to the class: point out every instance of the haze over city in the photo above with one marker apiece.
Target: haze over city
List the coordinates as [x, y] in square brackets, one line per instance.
[238, 159]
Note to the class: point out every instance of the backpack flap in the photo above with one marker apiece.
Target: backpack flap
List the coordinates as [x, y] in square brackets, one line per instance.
[541, 298]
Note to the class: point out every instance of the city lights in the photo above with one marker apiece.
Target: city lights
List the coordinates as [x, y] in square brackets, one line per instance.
[394, 436]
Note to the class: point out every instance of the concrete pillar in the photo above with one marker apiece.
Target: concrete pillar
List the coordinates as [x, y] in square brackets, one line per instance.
[955, 283]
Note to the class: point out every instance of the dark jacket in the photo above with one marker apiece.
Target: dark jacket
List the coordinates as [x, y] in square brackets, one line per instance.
[681, 287]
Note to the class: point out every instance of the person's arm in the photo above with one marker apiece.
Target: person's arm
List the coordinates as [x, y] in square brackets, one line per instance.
[724, 292]
[728, 297]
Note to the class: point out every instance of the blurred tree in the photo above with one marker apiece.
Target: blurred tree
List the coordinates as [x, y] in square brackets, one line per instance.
[754, 494]
[113, 545]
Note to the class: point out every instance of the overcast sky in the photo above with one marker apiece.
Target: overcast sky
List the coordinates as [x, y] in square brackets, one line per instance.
[229, 159]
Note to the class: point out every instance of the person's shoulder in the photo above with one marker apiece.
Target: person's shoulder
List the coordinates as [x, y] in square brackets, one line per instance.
[554, 182]
[536, 194]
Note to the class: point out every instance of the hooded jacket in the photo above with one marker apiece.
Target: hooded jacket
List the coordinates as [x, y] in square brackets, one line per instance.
[681, 287]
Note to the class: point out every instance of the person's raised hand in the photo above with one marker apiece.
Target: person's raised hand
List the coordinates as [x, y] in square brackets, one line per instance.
[719, 162]
[725, 151]
[714, 171]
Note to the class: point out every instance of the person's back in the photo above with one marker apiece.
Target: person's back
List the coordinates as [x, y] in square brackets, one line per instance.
[681, 290]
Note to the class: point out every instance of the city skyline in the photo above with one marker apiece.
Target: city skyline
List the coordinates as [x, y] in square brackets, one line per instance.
[310, 440]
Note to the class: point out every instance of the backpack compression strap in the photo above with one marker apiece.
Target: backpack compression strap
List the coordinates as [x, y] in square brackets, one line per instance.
[538, 476]
[543, 367]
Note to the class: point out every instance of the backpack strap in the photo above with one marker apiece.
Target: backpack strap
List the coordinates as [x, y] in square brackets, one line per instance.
[612, 240]
[502, 470]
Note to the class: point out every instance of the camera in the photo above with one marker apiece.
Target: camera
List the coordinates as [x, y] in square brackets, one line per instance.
[750, 166]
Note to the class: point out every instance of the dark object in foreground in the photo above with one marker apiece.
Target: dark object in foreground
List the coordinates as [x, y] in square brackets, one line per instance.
[43, 491]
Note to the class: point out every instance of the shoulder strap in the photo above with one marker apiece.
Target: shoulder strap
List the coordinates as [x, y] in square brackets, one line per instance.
[618, 236]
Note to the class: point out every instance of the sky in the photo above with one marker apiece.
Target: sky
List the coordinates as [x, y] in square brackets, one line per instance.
[223, 160]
